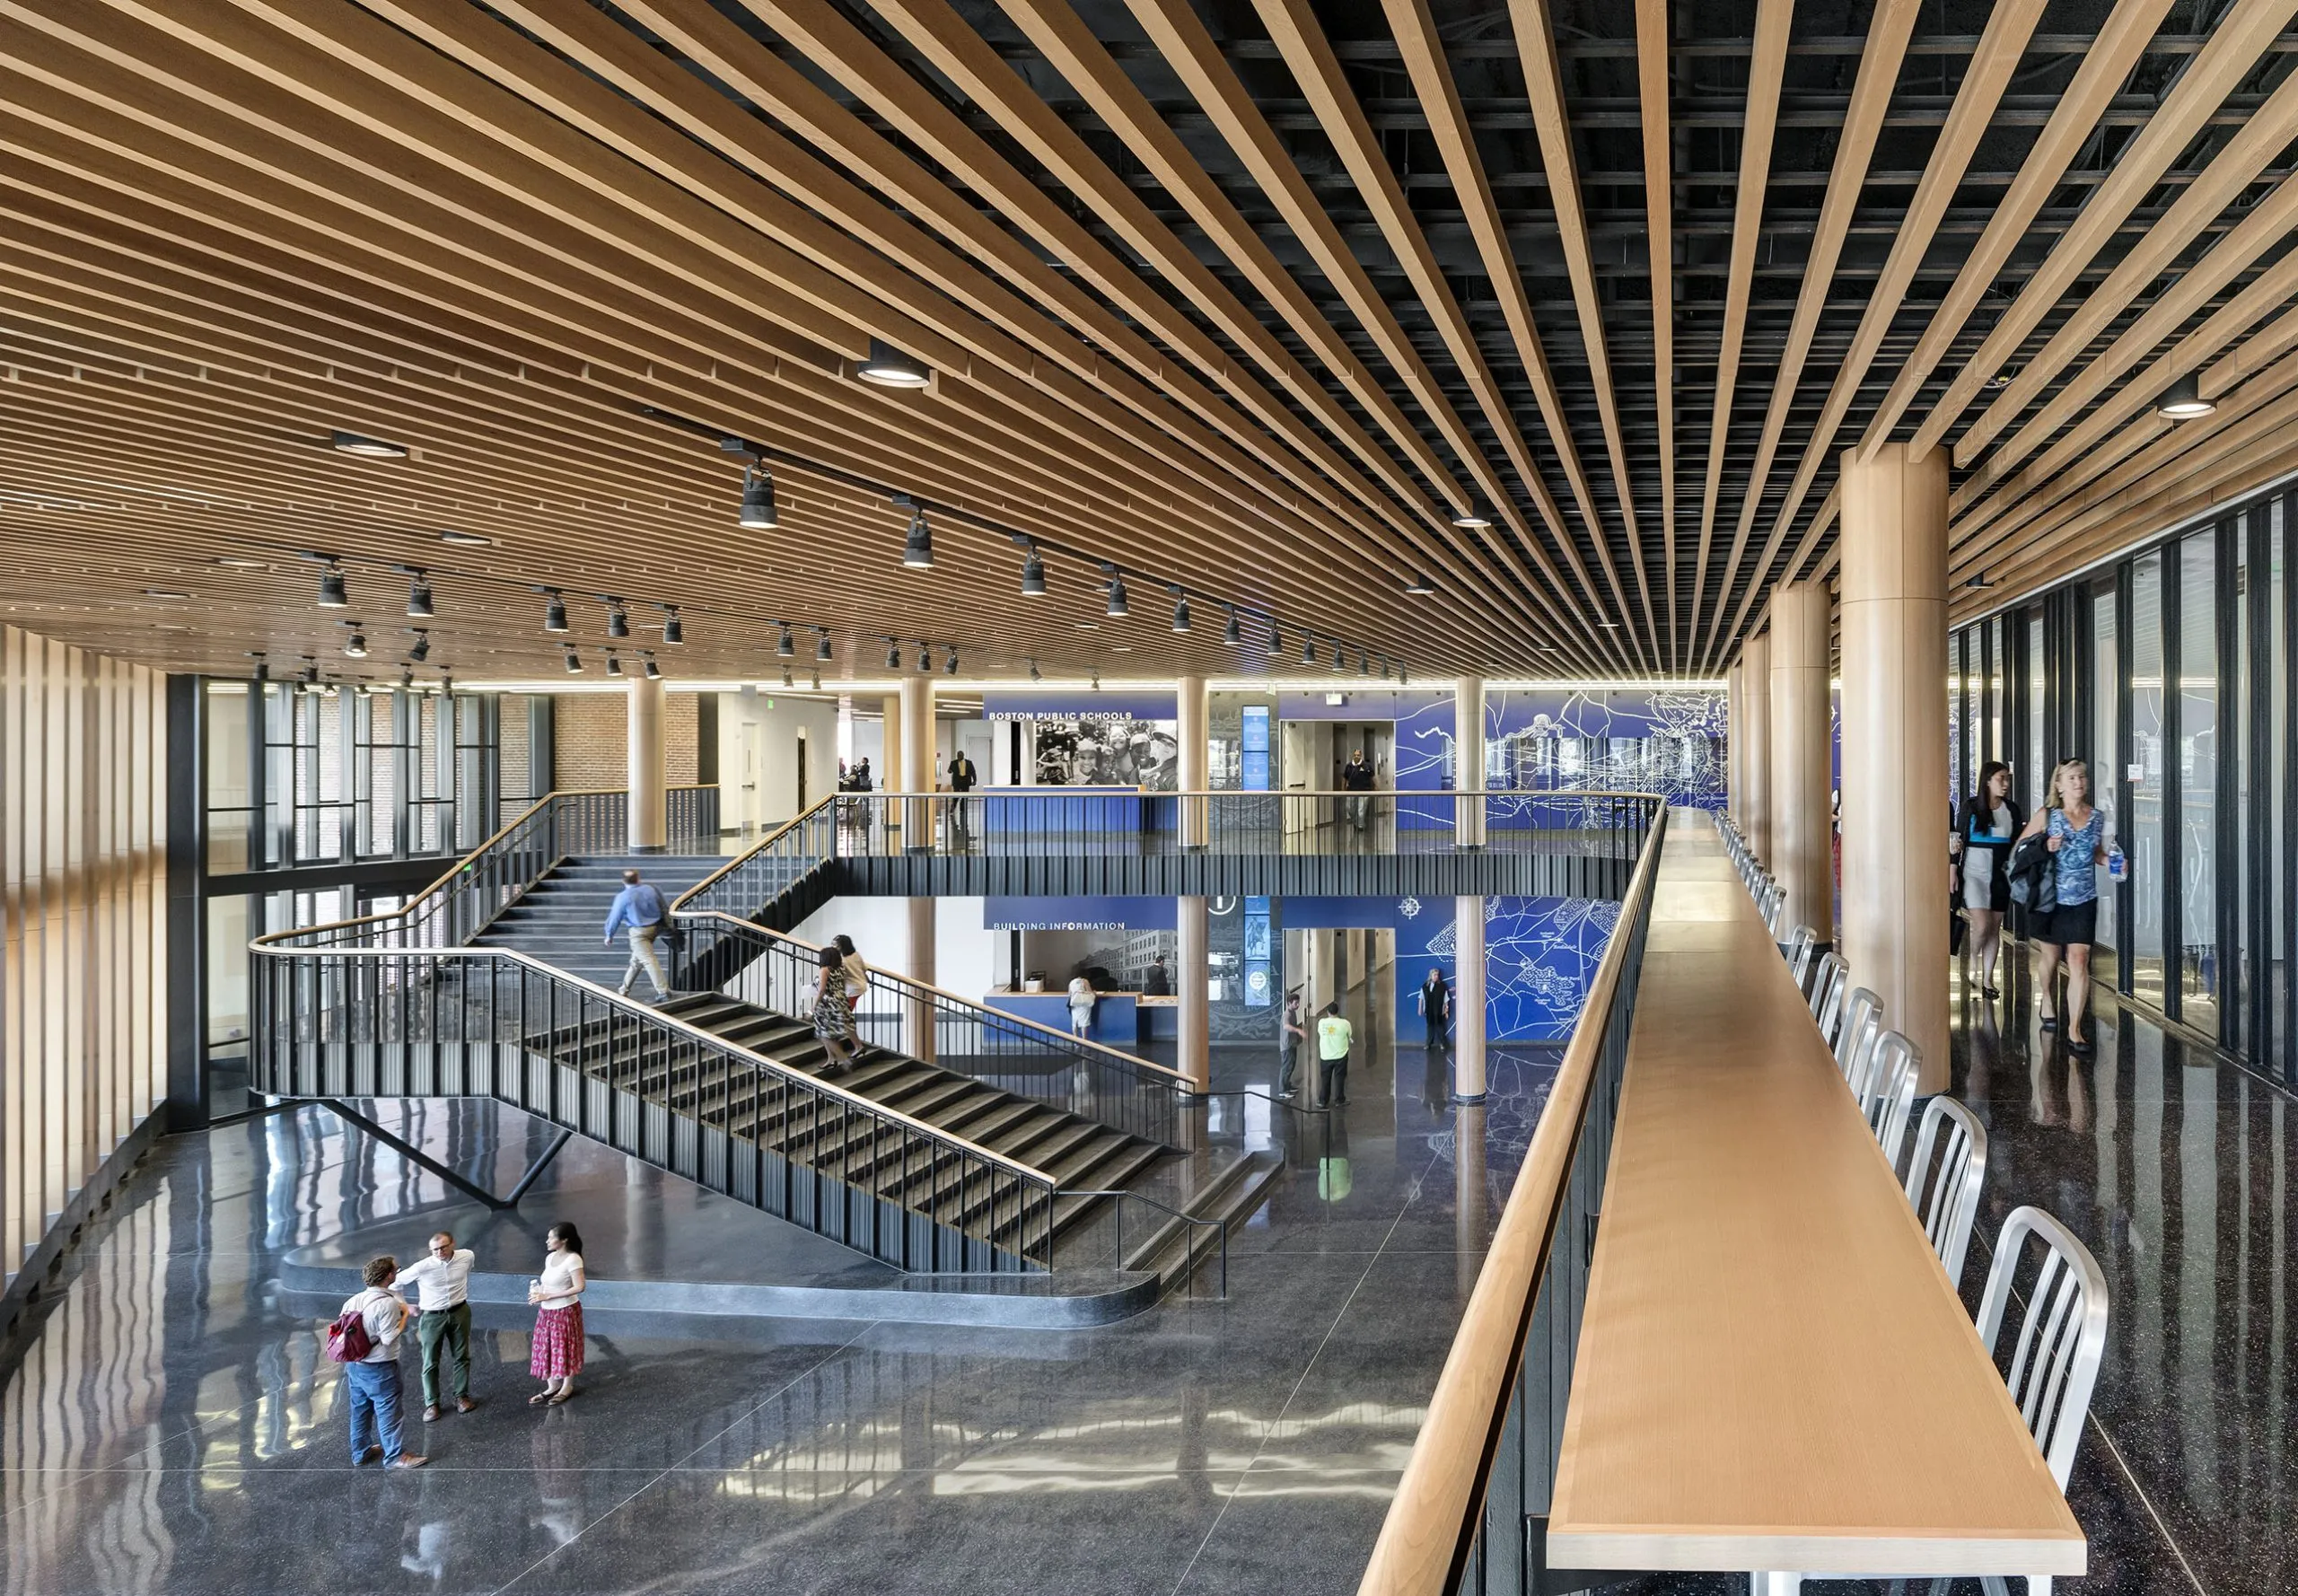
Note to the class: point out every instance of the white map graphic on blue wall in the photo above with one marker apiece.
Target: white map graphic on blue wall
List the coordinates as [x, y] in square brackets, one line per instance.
[1668, 741]
[1540, 956]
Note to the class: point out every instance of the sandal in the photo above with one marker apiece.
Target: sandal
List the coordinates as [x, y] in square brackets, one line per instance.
[539, 1398]
[2051, 1022]
[1990, 992]
[562, 1396]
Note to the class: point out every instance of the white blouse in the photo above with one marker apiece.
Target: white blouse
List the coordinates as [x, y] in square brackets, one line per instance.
[562, 1279]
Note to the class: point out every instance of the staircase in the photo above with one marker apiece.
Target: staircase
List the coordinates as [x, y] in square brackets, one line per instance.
[561, 919]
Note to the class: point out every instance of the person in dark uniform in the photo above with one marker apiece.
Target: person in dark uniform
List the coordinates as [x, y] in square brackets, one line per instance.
[1435, 1008]
[1159, 981]
[963, 775]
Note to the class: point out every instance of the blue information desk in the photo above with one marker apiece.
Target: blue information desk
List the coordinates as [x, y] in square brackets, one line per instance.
[1120, 1019]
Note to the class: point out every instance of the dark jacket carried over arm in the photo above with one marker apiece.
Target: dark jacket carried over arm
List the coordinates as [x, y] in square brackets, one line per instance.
[1972, 824]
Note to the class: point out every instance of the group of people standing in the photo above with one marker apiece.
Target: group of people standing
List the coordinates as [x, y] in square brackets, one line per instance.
[2058, 849]
[367, 1335]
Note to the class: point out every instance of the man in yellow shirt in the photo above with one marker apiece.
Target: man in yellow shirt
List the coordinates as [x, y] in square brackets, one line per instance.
[1335, 1036]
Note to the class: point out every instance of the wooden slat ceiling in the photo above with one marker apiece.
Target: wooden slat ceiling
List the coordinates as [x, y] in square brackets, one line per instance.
[1248, 299]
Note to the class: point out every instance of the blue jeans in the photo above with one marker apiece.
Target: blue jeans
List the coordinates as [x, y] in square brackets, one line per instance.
[374, 1407]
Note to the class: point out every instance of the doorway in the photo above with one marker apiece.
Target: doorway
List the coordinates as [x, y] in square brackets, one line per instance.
[752, 813]
[802, 794]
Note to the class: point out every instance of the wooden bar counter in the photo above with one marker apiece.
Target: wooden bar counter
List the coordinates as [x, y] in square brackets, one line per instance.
[1774, 1372]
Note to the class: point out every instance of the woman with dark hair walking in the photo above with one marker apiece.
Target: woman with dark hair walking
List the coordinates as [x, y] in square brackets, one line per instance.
[2077, 837]
[557, 1299]
[832, 1012]
[1984, 832]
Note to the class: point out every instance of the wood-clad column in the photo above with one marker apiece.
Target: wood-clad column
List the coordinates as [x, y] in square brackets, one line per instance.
[1468, 1000]
[889, 739]
[1803, 856]
[918, 763]
[649, 802]
[1192, 984]
[1755, 764]
[1894, 588]
[1735, 744]
[1468, 760]
[1191, 712]
[917, 1022]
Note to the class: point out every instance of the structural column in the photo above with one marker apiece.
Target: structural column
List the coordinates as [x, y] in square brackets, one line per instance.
[918, 763]
[1192, 985]
[1735, 745]
[889, 754]
[1191, 712]
[1468, 1000]
[648, 804]
[1894, 589]
[1755, 764]
[1468, 760]
[918, 1017]
[1803, 856]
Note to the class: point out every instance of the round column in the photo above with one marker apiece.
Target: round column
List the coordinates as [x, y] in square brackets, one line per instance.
[1894, 591]
[1192, 986]
[1468, 1000]
[918, 763]
[1468, 760]
[917, 1019]
[647, 780]
[1755, 692]
[1801, 856]
[1192, 716]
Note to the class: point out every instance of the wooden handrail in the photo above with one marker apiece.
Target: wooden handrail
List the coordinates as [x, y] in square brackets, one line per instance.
[1440, 1494]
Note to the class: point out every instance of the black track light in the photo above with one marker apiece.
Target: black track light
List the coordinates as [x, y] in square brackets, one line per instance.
[949, 665]
[888, 367]
[1364, 664]
[1118, 610]
[1404, 677]
[893, 654]
[614, 665]
[758, 513]
[925, 658]
[422, 649]
[407, 680]
[554, 612]
[617, 621]
[419, 604]
[573, 662]
[653, 671]
[1307, 648]
[1180, 610]
[1338, 663]
[1035, 674]
[1276, 639]
[262, 667]
[814, 681]
[673, 628]
[356, 645]
[786, 680]
[1233, 633]
[333, 595]
[447, 685]
[821, 645]
[1419, 586]
[784, 648]
[917, 548]
[1032, 570]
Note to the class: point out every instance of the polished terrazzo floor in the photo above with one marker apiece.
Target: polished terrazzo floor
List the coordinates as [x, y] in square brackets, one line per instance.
[172, 1425]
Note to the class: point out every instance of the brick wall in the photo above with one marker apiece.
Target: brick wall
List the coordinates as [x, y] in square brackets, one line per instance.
[591, 747]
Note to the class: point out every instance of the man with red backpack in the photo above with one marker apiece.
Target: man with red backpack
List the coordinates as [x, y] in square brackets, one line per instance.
[364, 1339]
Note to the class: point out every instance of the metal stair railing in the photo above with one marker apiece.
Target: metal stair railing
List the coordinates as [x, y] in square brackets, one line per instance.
[774, 970]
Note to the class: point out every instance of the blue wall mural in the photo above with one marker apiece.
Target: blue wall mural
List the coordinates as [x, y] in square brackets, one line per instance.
[1663, 740]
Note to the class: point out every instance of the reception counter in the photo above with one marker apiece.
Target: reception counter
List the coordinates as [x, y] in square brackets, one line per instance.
[1120, 1019]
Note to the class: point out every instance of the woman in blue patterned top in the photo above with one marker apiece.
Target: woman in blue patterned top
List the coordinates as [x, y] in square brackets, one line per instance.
[2078, 845]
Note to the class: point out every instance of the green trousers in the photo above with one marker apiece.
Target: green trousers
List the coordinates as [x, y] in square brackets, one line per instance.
[452, 1326]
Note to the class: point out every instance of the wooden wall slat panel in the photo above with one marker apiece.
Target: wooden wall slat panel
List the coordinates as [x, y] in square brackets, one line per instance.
[82, 845]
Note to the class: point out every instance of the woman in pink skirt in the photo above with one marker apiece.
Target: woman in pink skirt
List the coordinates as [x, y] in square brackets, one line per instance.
[557, 1356]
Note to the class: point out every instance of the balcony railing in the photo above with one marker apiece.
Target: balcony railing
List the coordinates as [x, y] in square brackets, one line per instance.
[1484, 1461]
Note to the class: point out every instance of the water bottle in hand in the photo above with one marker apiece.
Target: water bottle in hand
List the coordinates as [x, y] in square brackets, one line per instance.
[2116, 869]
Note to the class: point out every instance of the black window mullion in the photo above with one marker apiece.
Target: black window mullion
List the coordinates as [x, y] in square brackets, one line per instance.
[2258, 824]
[2125, 650]
[2173, 788]
[2226, 900]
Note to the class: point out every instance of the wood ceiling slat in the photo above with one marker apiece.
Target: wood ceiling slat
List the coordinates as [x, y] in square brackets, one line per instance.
[1432, 80]
[1652, 82]
[2231, 173]
[1293, 28]
[1544, 86]
[2237, 43]
[1766, 70]
[1871, 96]
[1063, 36]
[765, 80]
[2008, 28]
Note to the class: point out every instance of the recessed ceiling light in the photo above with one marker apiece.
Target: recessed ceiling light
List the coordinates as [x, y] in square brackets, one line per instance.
[1472, 519]
[344, 443]
[164, 593]
[169, 625]
[888, 367]
[1120, 648]
[467, 539]
[242, 562]
[1088, 625]
[2183, 401]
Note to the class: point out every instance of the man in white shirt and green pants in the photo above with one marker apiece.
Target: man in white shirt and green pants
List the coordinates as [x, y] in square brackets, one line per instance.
[442, 1284]
[1335, 1037]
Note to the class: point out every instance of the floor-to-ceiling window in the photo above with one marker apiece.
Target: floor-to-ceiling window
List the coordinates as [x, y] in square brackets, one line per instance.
[2169, 670]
